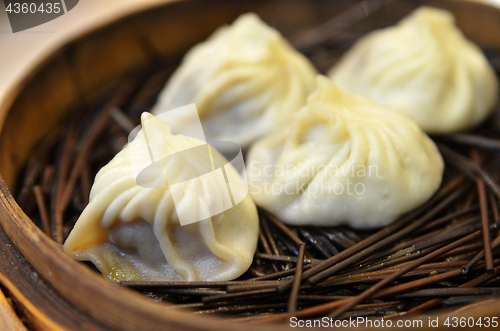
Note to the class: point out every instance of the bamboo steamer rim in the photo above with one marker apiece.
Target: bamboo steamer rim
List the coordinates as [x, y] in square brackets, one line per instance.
[106, 305]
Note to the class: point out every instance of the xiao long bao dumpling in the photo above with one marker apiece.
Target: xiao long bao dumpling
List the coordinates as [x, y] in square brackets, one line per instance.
[133, 232]
[344, 160]
[246, 80]
[425, 68]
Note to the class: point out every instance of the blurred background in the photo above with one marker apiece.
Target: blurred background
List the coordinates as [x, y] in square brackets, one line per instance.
[19, 52]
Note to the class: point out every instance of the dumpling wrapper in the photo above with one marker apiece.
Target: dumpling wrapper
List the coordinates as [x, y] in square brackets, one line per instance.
[425, 68]
[246, 81]
[132, 232]
[344, 160]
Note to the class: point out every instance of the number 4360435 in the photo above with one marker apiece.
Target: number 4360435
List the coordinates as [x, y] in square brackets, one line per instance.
[485, 322]
[32, 8]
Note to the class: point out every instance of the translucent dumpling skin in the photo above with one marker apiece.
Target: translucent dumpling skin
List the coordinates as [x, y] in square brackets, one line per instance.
[344, 160]
[425, 68]
[132, 232]
[246, 80]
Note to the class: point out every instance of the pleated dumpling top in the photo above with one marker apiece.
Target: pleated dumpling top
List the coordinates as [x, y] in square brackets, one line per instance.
[344, 160]
[425, 68]
[133, 232]
[246, 81]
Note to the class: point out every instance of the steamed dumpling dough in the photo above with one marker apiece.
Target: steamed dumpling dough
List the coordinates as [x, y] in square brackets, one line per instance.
[246, 80]
[344, 160]
[132, 232]
[425, 68]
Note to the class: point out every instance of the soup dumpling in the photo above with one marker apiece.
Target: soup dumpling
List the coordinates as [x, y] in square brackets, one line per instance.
[425, 68]
[344, 160]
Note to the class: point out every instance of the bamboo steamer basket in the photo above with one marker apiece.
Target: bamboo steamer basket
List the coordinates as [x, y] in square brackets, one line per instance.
[54, 292]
